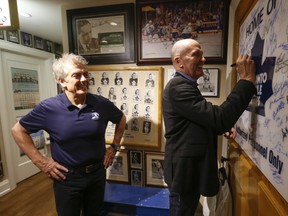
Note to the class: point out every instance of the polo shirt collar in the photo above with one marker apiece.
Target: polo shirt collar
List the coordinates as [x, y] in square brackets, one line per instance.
[68, 103]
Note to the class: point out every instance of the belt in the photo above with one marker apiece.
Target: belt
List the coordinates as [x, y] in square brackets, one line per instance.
[86, 169]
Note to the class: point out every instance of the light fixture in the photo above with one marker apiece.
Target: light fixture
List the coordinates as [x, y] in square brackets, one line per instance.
[113, 23]
[27, 15]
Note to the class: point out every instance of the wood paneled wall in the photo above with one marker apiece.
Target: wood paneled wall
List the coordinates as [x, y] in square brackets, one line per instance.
[252, 193]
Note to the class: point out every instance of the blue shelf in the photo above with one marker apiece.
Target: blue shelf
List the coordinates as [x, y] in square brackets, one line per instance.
[135, 200]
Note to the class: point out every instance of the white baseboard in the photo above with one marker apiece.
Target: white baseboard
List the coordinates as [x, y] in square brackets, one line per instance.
[4, 187]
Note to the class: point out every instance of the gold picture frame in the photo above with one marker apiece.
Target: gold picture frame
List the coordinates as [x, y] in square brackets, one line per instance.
[118, 171]
[155, 169]
[137, 91]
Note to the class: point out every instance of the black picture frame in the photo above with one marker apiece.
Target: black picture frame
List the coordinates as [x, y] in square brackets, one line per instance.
[38, 43]
[170, 16]
[58, 48]
[137, 178]
[1, 34]
[48, 46]
[136, 159]
[112, 26]
[26, 39]
[12, 36]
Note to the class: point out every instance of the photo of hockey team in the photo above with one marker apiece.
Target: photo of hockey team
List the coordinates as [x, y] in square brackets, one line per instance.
[163, 24]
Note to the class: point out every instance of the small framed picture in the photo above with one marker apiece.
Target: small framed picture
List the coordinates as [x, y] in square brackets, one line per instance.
[209, 82]
[12, 36]
[118, 171]
[58, 48]
[1, 34]
[48, 46]
[155, 169]
[136, 177]
[26, 39]
[136, 159]
[38, 43]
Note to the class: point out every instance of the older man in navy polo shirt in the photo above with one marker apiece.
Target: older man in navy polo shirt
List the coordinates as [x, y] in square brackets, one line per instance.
[76, 122]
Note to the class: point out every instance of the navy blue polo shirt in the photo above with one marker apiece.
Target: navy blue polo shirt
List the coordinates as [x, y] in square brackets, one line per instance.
[77, 135]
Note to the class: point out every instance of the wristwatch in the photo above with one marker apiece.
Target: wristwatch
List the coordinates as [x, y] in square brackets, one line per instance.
[116, 146]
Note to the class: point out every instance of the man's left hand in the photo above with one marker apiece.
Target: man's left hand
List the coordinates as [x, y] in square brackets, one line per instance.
[109, 157]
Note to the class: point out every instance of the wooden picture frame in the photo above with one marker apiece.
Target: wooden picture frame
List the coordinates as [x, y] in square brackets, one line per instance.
[112, 33]
[26, 39]
[12, 36]
[118, 171]
[38, 43]
[159, 27]
[137, 91]
[155, 169]
[136, 159]
[136, 177]
[209, 82]
[9, 15]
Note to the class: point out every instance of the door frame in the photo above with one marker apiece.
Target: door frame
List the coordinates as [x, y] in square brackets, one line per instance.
[7, 114]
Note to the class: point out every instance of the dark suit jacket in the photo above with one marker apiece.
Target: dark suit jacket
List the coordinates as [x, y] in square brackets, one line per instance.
[191, 128]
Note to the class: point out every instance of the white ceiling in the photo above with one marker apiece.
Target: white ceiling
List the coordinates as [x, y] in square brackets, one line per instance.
[46, 18]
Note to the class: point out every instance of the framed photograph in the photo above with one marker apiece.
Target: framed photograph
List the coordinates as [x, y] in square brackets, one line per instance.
[26, 39]
[137, 91]
[161, 23]
[58, 48]
[1, 34]
[38, 43]
[48, 46]
[103, 35]
[12, 36]
[209, 82]
[155, 169]
[136, 159]
[137, 177]
[118, 171]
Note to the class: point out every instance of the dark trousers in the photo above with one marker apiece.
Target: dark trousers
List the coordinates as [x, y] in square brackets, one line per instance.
[80, 193]
[183, 207]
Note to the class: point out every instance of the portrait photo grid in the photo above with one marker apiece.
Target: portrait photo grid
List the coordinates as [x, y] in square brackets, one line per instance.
[136, 94]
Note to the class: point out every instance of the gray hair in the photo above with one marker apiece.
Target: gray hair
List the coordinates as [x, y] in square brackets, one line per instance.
[59, 64]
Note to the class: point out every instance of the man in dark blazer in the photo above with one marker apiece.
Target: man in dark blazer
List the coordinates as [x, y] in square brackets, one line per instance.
[192, 125]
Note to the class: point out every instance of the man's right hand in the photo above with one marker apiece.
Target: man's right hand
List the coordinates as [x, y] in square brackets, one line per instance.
[245, 67]
[51, 168]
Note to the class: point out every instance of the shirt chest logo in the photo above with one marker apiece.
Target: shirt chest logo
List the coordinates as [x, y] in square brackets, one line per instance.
[95, 116]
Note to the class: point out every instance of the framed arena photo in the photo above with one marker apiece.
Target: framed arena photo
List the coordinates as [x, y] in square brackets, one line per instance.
[161, 23]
